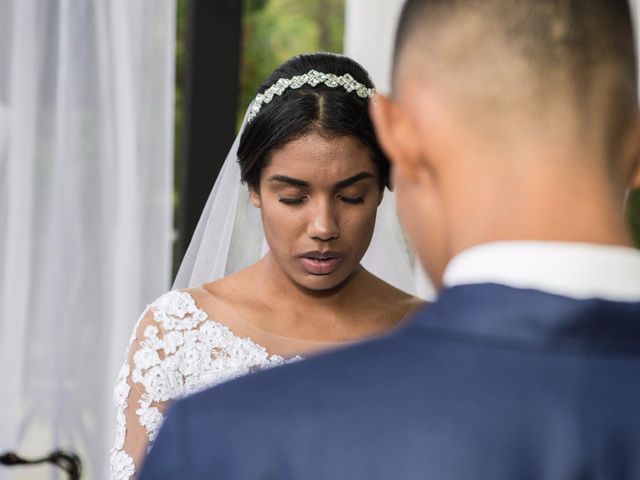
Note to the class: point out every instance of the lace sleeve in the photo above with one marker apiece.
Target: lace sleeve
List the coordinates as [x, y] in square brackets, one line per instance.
[139, 414]
[175, 350]
[150, 377]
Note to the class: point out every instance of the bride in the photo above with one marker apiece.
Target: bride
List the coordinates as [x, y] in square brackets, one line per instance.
[285, 252]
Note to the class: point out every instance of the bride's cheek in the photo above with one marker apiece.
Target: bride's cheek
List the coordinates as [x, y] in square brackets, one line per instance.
[361, 227]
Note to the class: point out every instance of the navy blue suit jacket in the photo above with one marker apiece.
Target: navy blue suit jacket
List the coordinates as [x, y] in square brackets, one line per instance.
[490, 382]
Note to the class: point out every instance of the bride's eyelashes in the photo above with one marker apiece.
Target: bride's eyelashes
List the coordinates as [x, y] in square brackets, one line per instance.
[300, 200]
[291, 201]
[352, 200]
[353, 194]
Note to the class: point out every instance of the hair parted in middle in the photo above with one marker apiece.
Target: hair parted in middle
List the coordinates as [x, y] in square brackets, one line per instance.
[327, 111]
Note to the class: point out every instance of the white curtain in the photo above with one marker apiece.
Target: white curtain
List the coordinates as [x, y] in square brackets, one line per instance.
[86, 139]
[369, 32]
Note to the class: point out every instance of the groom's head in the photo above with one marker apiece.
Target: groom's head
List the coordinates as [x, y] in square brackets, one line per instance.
[509, 120]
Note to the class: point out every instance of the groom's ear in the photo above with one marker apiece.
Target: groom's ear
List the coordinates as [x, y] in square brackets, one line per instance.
[396, 134]
[635, 154]
[635, 169]
[635, 177]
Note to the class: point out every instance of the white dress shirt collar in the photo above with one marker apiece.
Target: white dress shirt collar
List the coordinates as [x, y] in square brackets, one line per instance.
[578, 270]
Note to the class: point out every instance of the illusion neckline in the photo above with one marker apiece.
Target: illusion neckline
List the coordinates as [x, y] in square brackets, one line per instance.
[403, 321]
[262, 331]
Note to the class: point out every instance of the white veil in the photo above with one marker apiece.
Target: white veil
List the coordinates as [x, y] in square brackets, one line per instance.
[229, 237]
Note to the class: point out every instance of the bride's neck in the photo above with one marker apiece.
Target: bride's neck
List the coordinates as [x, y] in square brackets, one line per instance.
[278, 285]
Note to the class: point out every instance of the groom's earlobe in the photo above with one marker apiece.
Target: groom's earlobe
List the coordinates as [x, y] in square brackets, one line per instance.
[635, 154]
[635, 169]
[635, 178]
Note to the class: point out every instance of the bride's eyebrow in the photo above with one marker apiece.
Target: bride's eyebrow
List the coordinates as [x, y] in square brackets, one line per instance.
[351, 180]
[289, 181]
[296, 182]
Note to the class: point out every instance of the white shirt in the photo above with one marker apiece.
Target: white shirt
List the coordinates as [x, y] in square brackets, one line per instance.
[577, 270]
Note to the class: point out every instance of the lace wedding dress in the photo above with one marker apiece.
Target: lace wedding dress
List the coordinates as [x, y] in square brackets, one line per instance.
[175, 350]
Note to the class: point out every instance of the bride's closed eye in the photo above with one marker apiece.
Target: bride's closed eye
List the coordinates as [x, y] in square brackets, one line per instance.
[353, 194]
[355, 200]
[291, 195]
[292, 200]
[352, 200]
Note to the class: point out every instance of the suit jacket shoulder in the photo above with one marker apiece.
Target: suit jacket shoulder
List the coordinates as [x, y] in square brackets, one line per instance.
[483, 384]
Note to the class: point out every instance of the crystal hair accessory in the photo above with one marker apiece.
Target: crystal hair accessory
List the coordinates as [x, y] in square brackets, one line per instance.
[312, 78]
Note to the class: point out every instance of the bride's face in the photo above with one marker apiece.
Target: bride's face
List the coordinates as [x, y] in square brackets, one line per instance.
[318, 198]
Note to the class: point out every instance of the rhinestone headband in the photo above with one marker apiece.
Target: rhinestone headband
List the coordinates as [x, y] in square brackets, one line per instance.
[312, 78]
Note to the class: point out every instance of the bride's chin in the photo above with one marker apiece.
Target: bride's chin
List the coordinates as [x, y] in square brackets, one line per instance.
[324, 283]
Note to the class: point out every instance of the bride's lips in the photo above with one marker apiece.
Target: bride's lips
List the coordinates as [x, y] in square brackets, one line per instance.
[320, 263]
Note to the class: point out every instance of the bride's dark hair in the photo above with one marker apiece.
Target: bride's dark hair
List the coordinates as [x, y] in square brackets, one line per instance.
[331, 112]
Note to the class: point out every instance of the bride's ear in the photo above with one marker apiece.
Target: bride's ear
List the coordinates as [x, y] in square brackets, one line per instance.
[254, 197]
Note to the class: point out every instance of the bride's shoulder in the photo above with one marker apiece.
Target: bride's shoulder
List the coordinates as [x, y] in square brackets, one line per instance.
[173, 310]
[218, 300]
[177, 303]
[229, 290]
[179, 311]
[389, 297]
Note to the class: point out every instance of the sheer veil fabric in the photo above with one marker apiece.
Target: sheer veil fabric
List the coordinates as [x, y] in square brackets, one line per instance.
[229, 237]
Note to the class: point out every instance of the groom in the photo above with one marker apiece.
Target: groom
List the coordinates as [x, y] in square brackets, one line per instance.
[513, 131]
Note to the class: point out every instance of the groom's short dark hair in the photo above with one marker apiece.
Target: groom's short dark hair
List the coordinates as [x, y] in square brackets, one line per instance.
[573, 49]
[547, 31]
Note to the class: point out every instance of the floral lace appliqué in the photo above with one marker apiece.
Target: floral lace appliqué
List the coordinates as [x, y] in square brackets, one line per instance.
[181, 352]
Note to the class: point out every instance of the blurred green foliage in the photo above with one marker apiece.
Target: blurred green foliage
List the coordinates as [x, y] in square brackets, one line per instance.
[276, 30]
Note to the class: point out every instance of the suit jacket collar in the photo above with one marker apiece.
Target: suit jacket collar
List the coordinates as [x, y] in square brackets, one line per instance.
[576, 270]
[514, 317]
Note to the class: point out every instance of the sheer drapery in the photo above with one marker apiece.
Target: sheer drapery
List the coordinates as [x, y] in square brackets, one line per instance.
[86, 140]
[369, 33]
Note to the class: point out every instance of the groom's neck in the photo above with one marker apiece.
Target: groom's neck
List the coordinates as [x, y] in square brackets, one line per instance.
[549, 205]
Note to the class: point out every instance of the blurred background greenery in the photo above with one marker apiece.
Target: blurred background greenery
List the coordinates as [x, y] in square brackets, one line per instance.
[273, 31]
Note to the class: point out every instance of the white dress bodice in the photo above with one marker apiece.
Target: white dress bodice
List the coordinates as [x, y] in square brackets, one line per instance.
[175, 350]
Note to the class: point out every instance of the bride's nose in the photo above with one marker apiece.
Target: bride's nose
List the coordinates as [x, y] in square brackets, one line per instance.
[323, 223]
